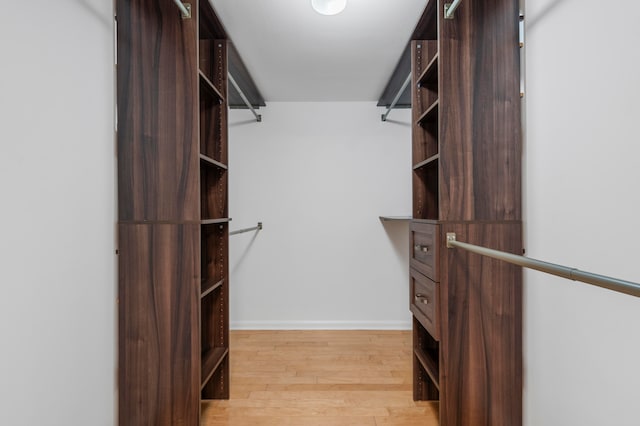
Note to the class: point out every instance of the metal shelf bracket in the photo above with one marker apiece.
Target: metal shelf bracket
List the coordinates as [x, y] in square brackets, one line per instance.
[450, 9]
[185, 9]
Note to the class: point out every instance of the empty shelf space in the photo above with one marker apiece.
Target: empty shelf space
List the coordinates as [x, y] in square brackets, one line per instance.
[428, 161]
[429, 365]
[209, 285]
[214, 221]
[430, 115]
[429, 76]
[210, 362]
[211, 162]
[209, 88]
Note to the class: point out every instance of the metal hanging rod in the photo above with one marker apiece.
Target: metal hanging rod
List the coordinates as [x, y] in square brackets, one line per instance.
[240, 231]
[244, 98]
[450, 9]
[621, 286]
[185, 9]
[397, 98]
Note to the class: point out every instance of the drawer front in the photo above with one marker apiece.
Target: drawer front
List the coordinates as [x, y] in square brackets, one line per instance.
[425, 302]
[424, 248]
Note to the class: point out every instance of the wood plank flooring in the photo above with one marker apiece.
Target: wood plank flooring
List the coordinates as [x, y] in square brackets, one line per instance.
[320, 378]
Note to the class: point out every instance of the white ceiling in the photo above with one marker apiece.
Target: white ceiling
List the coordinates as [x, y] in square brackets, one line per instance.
[296, 54]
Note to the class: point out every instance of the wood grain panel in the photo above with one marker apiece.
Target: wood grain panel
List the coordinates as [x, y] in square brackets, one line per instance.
[157, 112]
[159, 296]
[481, 333]
[480, 135]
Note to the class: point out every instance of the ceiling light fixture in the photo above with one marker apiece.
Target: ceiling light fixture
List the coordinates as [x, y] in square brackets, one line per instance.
[329, 7]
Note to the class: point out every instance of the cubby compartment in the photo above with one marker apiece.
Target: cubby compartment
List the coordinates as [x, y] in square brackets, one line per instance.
[214, 335]
[426, 364]
[213, 109]
[425, 190]
[214, 243]
[213, 193]
[217, 386]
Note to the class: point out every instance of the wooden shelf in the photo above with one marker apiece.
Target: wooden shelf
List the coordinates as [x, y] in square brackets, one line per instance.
[209, 285]
[428, 161]
[209, 88]
[429, 76]
[214, 221]
[429, 365]
[211, 162]
[394, 218]
[430, 115]
[210, 362]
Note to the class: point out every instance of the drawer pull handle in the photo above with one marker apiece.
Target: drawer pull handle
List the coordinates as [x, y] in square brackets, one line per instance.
[422, 298]
[425, 249]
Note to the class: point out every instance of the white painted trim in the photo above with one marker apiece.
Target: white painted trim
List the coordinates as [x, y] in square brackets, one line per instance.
[320, 325]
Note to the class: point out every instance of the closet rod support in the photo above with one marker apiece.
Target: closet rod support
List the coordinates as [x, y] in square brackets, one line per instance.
[185, 9]
[244, 98]
[397, 98]
[450, 9]
[241, 231]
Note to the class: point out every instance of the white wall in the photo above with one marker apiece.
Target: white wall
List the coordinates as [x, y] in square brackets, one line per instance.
[583, 206]
[57, 268]
[319, 175]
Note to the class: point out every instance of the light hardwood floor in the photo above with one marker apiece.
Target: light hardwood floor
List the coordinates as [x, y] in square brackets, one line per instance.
[320, 378]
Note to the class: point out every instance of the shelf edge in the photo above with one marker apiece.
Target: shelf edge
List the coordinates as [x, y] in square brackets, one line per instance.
[204, 80]
[210, 161]
[213, 357]
[429, 366]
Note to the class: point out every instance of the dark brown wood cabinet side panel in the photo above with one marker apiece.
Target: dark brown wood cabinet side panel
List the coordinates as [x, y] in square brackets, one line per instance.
[480, 140]
[157, 112]
[159, 371]
[481, 334]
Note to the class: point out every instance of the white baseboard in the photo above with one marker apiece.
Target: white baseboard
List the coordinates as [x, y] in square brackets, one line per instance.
[320, 325]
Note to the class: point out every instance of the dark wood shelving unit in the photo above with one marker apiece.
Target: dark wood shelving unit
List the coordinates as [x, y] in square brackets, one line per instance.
[214, 241]
[466, 167]
[173, 215]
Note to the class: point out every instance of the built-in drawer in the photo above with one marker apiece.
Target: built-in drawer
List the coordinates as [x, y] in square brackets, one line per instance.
[424, 248]
[425, 302]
